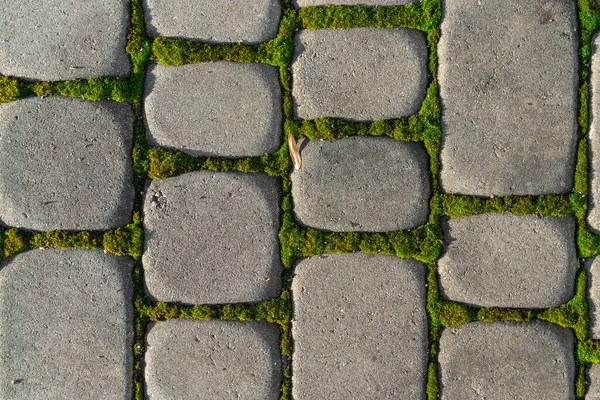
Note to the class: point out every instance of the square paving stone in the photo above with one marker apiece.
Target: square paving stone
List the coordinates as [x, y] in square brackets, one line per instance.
[188, 359]
[214, 109]
[508, 84]
[65, 163]
[362, 184]
[247, 21]
[594, 137]
[359, 328]
[361, 74]
[593, 269]
[503, 360]
[66, 325]
[505, 260]
[593, 382]
[212, 237]
[58, 40]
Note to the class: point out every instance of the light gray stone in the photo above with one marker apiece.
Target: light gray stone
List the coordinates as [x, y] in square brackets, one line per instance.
[593, 382]
[593, 269]
[212, 237]
[66, 325]
[359, 328]
[503, 360]
[65, 163]
[188, 359]
[59, 40]
[361, 74]
[594, 138]
[508, 82]
[307, 3]
[247, 21]
[214, 109]
[505, 260]
[365, 183]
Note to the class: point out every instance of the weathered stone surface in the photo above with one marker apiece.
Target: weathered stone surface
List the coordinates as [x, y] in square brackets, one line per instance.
[359, 328]
[502, 360]
[362, 184]
[214, 109]
[306, 3]
[508, 83]
[50, 40]
[212, 237]
[65, 163]
[593, 267]
[66, 320]
[188, 359]
[593, 382]
[594, 139]
[359, 74]
[505, 260]
[247, 21]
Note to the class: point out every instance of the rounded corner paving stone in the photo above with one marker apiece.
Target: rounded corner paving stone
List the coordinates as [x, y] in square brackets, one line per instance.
[509, 79]
[60, 40]
[359, 327]
[187, 359]
[374, 184]
[220, 108]
[506, 360]
[66, 325]
[593, 217]
[505, 260]
[231, 21]
[593, 382]
[65, 163]
[212, 237]
[593, 270]
[361, 74]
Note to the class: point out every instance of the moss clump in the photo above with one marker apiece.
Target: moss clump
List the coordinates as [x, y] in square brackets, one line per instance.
[12, 89]
[452, 314]
[128, 240]
[411, 16]
[66, 240]
[461, 206]
[492, 314]
[16, 241]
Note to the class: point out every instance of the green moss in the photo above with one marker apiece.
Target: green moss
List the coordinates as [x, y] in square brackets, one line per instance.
[12, 89]
[127, 240]
[432, 388]
[451, 313]
[16, 241]
[460, 206]
[491, 314]
[65, 240]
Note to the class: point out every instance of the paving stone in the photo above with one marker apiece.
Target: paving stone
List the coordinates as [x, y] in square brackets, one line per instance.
[359, 328]
[505, 260]
[50, 40]
[503, 360]
[593, 267]
[508, 83]
[65, 163]
[307, 3]
[247, 21]
[214, 109]
[359, 74]
[66, 321]
[364, 183]
[212, 237]
[593, 382]
[188, 359]
[594, 140]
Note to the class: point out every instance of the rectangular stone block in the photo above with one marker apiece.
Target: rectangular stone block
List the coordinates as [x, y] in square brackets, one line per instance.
[594, 138]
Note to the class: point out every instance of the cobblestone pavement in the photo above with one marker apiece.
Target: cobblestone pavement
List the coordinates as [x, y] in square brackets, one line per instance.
[438, 241]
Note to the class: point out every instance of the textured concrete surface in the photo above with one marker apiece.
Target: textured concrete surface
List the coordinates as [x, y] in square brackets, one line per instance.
[214, 109]
[188, 359]
[65, 163]
[505, 260]
[58, 40]
[362, 184]
[593, 382]
[212, 237]
[359, 328]
[508, 82]
[593, 269]
[66, 322]
[499, 361]
[246, 21]
[359, 74]
[307, 3]
[594, 138]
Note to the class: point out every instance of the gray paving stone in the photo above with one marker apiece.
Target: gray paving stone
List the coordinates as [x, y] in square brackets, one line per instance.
[505, 260]
[306, 3]
[66, 321]
[359, 328]
[359, 74]
[508, 82]
[65, 163]
[188, 359]
[212, 237]
[247, 21]
[593, 268]
[502, 360]
[594, 139]
[593, 382]
[214, 109]
[50, 40]
[372, 184]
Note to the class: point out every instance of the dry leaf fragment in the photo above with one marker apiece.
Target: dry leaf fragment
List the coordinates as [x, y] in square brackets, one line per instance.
[294, 151]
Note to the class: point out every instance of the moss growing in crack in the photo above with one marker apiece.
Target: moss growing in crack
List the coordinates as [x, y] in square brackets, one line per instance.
[452, 314]
[460, 206]
[491, 314]
[15, 241]
[12, 89]
[127, 240]
[66, 240]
